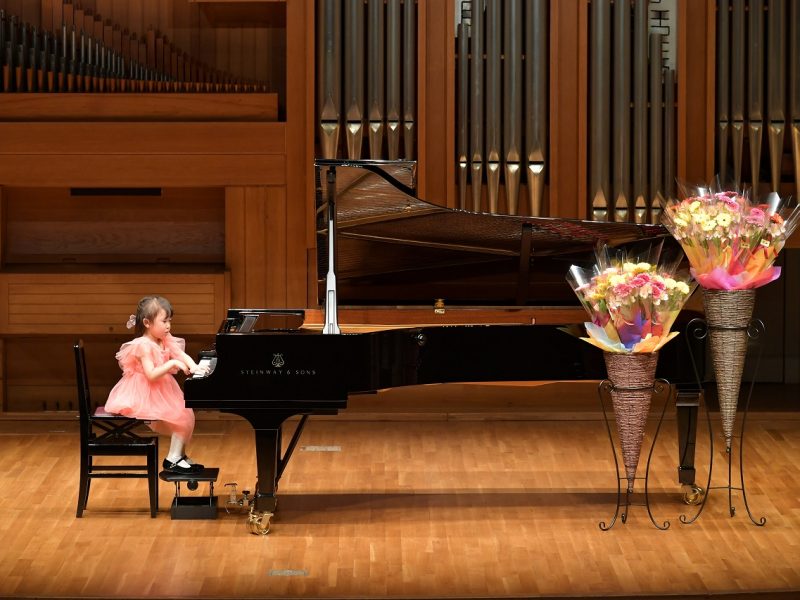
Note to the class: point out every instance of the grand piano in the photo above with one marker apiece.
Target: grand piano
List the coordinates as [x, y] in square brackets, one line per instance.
[474, 298]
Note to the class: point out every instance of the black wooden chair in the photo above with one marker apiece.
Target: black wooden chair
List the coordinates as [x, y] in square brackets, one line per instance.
[106, 434]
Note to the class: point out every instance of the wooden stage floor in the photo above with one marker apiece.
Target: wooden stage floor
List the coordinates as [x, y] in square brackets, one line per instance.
[411, 503]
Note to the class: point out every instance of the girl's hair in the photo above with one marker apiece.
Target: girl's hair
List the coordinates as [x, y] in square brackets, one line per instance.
[148, 309]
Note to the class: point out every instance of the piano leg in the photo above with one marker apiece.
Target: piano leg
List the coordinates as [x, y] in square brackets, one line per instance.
[268, 448]
[269, 462]
[686, 406]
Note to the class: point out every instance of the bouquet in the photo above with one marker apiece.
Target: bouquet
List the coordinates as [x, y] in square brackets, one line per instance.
[631, 299]
[731, 243]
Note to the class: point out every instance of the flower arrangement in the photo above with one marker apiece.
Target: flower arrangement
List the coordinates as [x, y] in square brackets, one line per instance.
[632, 301]
[730, 242]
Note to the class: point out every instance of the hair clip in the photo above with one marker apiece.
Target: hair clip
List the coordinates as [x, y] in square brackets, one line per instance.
[131, 322]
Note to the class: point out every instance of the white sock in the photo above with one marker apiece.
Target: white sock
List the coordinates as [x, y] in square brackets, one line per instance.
[175, 454]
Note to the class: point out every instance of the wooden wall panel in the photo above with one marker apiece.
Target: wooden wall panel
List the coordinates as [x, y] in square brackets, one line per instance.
[137, 170]
[255, 236]
[235, 250]
[256, 245]
[50, 139]
[146, 107]
[300, 150]
[275, 247]
[436, 133]
[50, 225]
[568, 86]
[99, 303]
[696, 97]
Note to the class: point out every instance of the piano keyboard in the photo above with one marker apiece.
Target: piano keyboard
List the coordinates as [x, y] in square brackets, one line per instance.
[210, 363]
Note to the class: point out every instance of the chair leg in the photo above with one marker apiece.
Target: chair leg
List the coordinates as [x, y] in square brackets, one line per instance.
[83, 486]
[152, 480]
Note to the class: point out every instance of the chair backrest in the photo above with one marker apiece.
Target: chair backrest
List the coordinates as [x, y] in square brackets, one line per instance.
[84, 396]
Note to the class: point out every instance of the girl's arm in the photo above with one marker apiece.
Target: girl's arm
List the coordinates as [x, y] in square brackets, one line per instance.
[176, 349]
[153, 372]
[190, 364]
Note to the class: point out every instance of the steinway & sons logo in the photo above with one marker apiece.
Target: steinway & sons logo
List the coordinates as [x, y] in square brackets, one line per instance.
[278, 370]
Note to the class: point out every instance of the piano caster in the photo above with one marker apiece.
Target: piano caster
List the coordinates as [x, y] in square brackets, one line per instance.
[259, 522]
[693, 494]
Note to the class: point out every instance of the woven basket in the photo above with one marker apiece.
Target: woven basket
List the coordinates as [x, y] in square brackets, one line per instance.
[727, 313]
[632, 376]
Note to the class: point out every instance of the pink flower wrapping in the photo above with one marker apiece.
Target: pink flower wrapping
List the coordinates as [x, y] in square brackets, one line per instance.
[730, 242]
[632, 301]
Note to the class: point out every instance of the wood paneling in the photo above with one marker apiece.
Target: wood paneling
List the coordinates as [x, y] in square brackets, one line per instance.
[49, 225]
[256, 245]
[140, 170]
[436, 94]
[139, 107]
[99, 303]
[300, 206]
[568, 86]
[141, 138]
[696, 96]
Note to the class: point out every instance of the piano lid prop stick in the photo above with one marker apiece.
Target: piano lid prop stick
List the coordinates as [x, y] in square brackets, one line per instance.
[331, 307]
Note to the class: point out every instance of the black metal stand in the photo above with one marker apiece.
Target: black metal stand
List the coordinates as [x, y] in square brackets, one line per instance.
[699, 328]
[604, 392]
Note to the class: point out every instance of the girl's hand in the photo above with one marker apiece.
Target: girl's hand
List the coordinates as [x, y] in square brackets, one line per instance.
[198, 369]
[177, 365]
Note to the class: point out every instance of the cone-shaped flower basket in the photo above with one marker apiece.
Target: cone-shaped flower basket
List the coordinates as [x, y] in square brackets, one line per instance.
[633, 376]
[727, 313]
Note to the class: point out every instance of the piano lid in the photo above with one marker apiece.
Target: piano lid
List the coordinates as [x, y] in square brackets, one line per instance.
[395, 248]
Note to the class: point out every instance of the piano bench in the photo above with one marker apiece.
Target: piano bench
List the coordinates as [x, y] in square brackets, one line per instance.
[192, 507]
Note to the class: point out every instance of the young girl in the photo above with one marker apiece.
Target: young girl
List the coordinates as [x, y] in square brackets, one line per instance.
[147, 389]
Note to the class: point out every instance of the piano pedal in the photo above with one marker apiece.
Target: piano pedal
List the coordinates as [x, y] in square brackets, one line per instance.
[234, 500]
[192, 507]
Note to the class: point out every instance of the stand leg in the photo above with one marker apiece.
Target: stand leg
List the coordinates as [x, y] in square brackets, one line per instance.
[604, 391]
[661, 386]
[698, 329]
[755, 328]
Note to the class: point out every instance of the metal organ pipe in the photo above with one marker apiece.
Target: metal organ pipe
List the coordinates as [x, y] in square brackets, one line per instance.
[329, 75]
[723, 86]
[656, 125]
[737, 79]
[476, 108]
[755, 86]
[599, 104]
[776, 87]
[536, 89]
[462, 114]
[409, 77]
[492, 114]
[622, 112]
[501, 105]
[512, 104]
[640, 146]
[794, 83]
[367, 76]
[393, 78]
[354, 76]
[771, 33]
[376, 68]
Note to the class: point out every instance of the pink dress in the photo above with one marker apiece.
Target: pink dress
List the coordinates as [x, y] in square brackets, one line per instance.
[161, 400]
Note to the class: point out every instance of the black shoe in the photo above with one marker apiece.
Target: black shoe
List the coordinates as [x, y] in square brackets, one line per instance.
[174, 467]
[195, 465]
